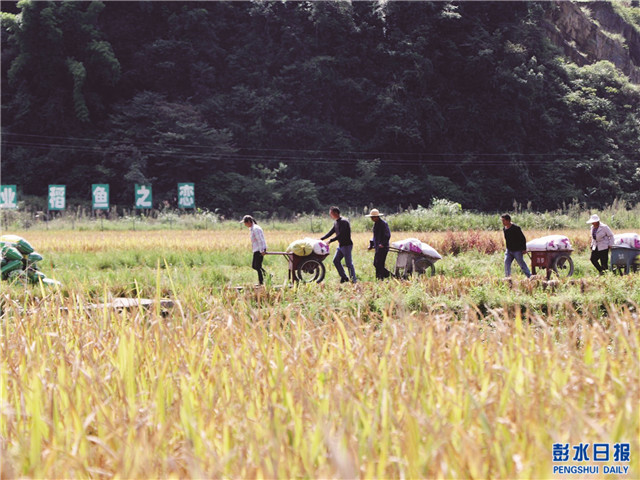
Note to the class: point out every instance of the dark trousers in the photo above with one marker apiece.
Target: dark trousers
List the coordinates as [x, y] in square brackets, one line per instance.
[600, 259]
[257, 266]
[379, 260]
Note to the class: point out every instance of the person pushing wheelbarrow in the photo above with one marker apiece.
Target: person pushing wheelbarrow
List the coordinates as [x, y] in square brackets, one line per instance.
[380, 242]
[342, 230]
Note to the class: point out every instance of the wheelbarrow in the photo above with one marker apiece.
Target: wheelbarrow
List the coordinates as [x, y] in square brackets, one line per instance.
[624, 260]
[408, 263]
[307, 269]
[557, 262]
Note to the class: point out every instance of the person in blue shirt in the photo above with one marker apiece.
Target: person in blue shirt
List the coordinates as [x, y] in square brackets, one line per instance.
[380, 242]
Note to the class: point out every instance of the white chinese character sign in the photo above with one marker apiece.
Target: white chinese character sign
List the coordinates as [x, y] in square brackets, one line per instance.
[186, 195]
[143, 196]
[8, 197]
[57, 197]
[100, 196]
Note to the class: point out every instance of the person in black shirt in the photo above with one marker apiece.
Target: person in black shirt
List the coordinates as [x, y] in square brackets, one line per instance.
[516, 246]
[381, 237]
[342, 230]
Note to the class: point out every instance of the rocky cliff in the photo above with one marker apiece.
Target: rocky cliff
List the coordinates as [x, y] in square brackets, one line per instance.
[588, 32]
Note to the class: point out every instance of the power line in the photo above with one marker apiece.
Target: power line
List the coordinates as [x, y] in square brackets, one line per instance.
[484, 160]
[309, 153]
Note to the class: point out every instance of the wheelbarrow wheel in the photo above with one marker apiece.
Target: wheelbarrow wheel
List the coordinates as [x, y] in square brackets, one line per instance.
[310, 271]
[426, 267]
[619, 269]
[563, 266]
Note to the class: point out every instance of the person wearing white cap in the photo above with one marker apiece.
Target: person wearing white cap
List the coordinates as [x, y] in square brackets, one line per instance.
[381, 237]
[601, 241]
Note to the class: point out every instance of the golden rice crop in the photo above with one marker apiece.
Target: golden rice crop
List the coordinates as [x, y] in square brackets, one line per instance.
[91, 241]
[316, 381]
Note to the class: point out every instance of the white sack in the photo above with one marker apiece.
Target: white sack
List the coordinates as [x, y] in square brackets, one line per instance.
[550, 242]
[319, 247]
[430, 252]
[408, 245]
[416, 246]
[628, 240]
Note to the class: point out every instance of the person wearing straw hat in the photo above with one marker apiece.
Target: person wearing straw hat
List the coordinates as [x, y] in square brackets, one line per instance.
[380, 242]
[601, 241]
[258, 244]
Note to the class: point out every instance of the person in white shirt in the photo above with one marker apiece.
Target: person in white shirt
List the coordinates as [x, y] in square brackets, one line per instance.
[601, 241]
[258, 244]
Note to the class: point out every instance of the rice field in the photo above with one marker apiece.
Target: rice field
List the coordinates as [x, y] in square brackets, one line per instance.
[460, 375]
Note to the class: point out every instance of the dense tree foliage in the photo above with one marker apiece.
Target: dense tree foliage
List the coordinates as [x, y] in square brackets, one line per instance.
[285, 107]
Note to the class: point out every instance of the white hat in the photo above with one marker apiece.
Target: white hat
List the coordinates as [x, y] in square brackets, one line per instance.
[375, 213]
[594, 218]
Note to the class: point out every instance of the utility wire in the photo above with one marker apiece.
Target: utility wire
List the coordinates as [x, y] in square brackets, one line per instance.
[167, 146]
[293, 156]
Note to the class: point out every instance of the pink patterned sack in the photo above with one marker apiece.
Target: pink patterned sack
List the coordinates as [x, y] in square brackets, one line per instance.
[550, 242]
[627, 240]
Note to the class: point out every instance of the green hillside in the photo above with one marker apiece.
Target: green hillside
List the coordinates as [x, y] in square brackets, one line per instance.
[286, 107]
